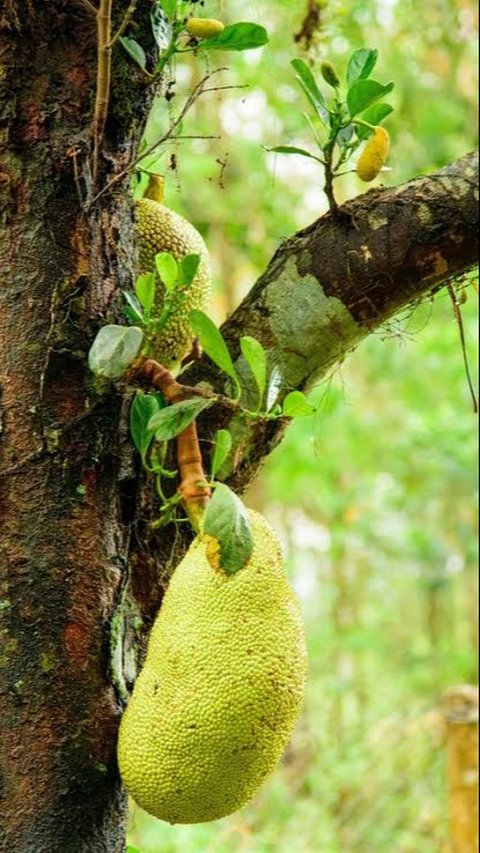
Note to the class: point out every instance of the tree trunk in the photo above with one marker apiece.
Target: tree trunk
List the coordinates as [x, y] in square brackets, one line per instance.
[64, 480]
[461, 718]
[73, 578]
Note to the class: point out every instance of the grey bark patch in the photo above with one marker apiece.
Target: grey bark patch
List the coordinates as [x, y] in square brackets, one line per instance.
[311, 329]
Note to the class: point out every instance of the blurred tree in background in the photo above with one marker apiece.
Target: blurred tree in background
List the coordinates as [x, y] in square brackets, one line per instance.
[374, 495]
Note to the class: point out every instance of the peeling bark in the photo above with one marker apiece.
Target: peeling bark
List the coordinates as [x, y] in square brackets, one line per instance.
[75, 538]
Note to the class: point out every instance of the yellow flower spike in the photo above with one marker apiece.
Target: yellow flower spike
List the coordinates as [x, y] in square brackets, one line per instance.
[374, 155]
[204, 28]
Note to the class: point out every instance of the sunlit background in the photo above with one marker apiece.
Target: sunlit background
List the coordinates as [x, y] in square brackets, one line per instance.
[375, 496]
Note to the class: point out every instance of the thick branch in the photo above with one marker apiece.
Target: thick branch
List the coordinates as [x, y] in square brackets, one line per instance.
[330, 286]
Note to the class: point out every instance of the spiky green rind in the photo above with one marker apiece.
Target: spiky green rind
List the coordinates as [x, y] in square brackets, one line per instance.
[160, 229]
[216, 701]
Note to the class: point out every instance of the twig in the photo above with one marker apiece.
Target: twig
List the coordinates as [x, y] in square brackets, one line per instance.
[329, 176]
[223, 88]
[458, 318]
[123, 26]
[88, 6]
[104, 23]
[196, 93]
[194, 489]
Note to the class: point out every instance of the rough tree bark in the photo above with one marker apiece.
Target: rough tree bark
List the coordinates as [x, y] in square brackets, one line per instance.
[78, 563]
[64, 540]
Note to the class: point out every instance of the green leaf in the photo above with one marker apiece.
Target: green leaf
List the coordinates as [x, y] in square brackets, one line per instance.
[256, 358]
[133, 304]
[309, 86]
[242, 36]
[274, 386]
[223, 446]
[296, 405]
[361, 64]
[313, 130]
[374, 115]
[131, 316]
[132, 850]
[167, 269]
[161, 28]
[290, 149]
[143, 408]
[363, 93]
[135, 50]
[170, 7]
[344, 135]
[227, 520]
[114, 349]
[188, 269]
[212, 342]
[145, 290]
[170, 422]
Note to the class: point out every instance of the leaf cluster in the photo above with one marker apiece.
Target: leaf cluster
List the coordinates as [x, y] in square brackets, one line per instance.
[169, 20]
[340, 121]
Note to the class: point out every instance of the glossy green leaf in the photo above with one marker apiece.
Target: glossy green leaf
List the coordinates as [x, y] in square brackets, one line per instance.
[274, 387]
[241, 36]
[135, 312]
[135, 50]
[161, 27]
[308, 83]
[170, 422]
[227, 520]
[296, 405]
[361, 64]
[345, 134]
[143, 408]
[188, 269]
[167, 269]
[363, 93]
[256, 358]
[374, 115]
[223, 446]
[145, 290]
[290, 149]
[114, 349]
[131, 315]
[170, 8]
[212, 342]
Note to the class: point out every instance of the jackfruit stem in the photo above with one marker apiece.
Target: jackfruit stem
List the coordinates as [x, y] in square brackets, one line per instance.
[194, 489]
[155, 188]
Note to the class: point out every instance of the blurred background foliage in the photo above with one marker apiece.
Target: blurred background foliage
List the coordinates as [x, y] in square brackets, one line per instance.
[375, 496]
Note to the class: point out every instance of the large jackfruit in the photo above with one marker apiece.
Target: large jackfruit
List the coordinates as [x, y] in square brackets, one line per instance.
[216, 701]
[160, 229]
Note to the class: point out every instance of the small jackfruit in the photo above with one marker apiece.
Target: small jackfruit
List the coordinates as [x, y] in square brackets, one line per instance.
[160, 229]
[204, 28]
[214, 706]
[374, 155]
[330, 74]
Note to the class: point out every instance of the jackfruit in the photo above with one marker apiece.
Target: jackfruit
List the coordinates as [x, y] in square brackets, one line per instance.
[160, 229]
[214, 706]
[330, 74]
[204, 28]
[374, 155]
